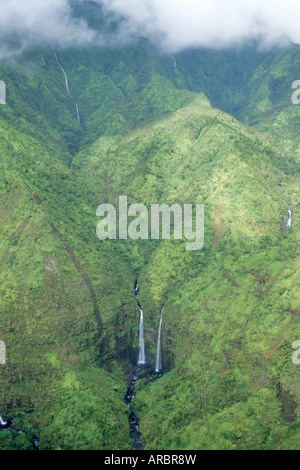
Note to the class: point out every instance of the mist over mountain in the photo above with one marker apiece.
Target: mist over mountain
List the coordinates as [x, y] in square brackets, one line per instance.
[171, 25]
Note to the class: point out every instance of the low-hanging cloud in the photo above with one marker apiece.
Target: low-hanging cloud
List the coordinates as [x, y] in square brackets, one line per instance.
[178, 24]
[40, 22]
[171, 24]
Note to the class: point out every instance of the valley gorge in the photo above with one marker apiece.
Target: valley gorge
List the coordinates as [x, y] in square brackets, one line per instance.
[122, 344]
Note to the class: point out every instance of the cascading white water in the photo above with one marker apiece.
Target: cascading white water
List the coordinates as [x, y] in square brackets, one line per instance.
[136, 291]
[290, 218]
[142, 355]
[174, 62]
[2, 423]
[289, 221]
[65, 75]
[158, 364]
[67, 86]
[78, 114]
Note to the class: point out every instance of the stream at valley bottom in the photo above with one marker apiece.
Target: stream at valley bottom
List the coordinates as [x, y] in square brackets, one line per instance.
[139, 372]
[142, 370]
[9, 425]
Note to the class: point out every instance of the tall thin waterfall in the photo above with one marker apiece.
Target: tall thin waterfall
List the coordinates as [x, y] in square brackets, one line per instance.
[290, 219]
[65, 75]
[174, 62]
[158, 364]
[142, 356]
[78, 114]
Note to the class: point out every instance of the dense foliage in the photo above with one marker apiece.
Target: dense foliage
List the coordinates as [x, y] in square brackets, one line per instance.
[68, 313]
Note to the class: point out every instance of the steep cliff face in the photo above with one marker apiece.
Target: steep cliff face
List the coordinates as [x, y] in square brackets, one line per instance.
[65, 302]
[231, 309]
[68, 312]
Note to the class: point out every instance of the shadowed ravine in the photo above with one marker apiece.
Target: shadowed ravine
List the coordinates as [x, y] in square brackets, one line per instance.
[130, 395]
[141, 370]
[133, 420]
[9, 425]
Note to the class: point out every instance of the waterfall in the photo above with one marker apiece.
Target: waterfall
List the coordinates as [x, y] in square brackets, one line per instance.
[2, 423]
[78, 114]
[142, 356]
[158, 364]
[36, 443]
[136, 291]
[63, 70]
[290, 219]
[67, 86]
[174, 62]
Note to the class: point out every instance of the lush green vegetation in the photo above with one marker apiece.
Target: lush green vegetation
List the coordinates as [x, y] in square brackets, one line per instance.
[68, 313]
[231, 310]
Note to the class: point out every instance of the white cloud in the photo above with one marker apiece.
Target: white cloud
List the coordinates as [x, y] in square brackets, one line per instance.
[183, 23]
[40, 22]
[173, 24]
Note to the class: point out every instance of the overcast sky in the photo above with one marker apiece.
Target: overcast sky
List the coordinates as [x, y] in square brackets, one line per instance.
[172, 24]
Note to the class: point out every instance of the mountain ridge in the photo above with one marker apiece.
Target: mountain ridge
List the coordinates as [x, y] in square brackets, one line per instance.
[231, 310]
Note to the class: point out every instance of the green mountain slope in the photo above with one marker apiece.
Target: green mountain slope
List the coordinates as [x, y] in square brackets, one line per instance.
[251, 83]
[231, 310]
[65, 305]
